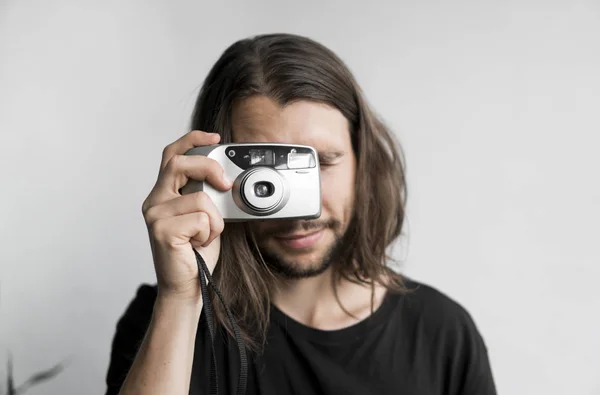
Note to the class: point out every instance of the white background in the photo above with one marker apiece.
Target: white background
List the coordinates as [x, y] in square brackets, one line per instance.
[497, 105]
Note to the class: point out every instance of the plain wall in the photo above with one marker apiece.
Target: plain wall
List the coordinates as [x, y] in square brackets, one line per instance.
[497, 105]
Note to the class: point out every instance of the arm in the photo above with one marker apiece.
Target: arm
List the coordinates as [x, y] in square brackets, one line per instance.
[153, 347]
[179, 226]
[163, 363]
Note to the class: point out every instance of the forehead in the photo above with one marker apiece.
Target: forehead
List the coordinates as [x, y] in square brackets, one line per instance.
[260, 119]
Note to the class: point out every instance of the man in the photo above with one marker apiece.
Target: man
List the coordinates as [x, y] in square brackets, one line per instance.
[317, 306]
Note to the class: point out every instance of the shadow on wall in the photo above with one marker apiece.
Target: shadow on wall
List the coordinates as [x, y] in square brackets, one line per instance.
[35, 379]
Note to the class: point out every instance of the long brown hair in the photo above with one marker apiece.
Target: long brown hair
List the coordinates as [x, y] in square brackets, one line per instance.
[287, 68]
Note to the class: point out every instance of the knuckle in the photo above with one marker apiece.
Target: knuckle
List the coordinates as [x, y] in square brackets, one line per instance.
[219, 225]
[145, 207]
[150, 215]
[158, 230]
[166, 152]
[209, 164]
[148, 203]
[175, 162]
[202, 219]
[201, 199]
[217, 167]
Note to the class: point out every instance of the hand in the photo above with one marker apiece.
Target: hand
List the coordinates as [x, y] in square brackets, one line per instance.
[177, 223]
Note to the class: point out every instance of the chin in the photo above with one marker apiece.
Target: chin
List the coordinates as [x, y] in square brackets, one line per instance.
[296, 262]
[297, 268]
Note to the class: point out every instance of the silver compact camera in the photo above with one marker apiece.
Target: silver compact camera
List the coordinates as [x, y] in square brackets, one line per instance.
[270, 181]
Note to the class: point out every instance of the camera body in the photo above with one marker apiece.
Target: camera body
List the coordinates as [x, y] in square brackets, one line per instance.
[270, 181]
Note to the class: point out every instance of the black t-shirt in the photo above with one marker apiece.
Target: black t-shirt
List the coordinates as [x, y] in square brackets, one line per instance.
[417, 343]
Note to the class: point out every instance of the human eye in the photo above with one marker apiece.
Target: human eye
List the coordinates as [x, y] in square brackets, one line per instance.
[329, 159]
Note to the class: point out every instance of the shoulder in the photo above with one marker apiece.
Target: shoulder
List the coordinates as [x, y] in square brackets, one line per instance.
[433, 309]
[130, 331]
[140, 308]
[133, 322]
[445, 331]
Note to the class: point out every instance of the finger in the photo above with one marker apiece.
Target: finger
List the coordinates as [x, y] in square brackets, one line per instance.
[182, 229]
[195, 138]
[194, 202]
[182, 168]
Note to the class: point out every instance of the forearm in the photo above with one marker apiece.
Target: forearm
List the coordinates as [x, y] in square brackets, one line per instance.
[163, 363]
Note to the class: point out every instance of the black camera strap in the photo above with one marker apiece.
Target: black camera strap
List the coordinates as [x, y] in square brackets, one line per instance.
[204, 274]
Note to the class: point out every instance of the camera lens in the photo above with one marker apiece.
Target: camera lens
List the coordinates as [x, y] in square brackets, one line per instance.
[263, 189]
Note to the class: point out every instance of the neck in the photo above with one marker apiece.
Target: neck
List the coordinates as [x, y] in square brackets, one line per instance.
[312, 301]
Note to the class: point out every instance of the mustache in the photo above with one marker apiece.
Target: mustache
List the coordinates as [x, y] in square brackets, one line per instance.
[289, 227]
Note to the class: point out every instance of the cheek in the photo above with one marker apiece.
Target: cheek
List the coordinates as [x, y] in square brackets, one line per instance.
[337, 191]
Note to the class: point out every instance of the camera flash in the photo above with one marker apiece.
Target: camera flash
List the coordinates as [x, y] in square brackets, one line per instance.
[300, 161]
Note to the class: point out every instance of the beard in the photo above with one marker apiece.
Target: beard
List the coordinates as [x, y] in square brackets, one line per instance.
[292, 269]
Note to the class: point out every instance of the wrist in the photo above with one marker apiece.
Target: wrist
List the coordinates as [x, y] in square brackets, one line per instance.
[179, 300]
